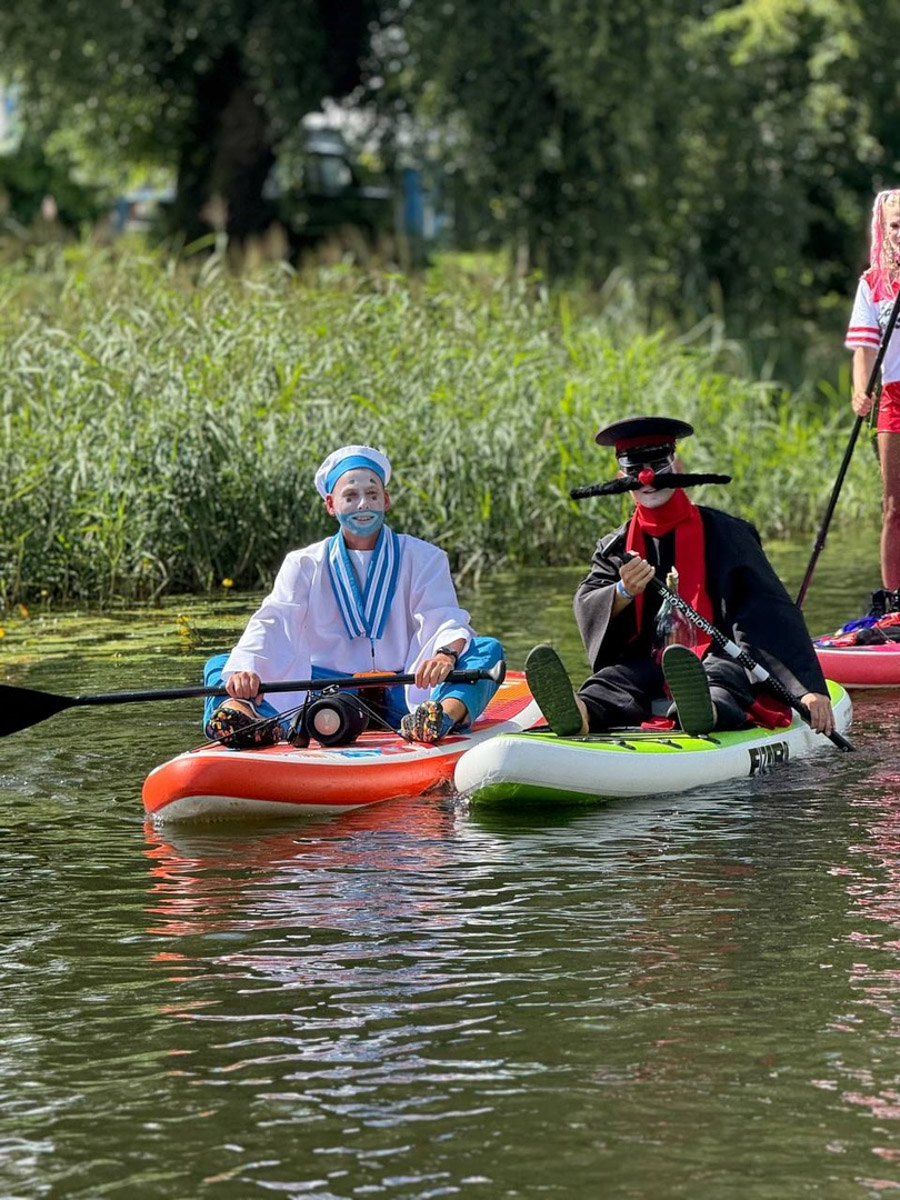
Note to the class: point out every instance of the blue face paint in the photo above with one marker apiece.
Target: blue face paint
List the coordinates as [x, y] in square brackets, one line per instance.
[365, 523]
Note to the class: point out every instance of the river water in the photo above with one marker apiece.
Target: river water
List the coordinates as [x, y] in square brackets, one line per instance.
[693, 996]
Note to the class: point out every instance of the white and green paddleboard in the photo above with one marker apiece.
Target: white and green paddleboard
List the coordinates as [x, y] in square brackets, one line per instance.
[537, 767]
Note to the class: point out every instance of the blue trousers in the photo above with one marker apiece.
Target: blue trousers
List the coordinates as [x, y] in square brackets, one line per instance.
[481, 654]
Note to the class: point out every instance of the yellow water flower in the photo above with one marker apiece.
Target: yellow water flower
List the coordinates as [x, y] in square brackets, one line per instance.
[227, 583]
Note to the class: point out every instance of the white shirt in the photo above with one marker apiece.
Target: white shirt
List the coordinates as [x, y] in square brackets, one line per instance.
[868, 321]
[299, 626]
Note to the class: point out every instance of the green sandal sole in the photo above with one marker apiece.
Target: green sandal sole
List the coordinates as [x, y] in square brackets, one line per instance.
[551, 687]
[689, 686]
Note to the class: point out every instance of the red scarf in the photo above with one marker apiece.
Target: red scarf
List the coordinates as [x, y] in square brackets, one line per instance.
[680, 514]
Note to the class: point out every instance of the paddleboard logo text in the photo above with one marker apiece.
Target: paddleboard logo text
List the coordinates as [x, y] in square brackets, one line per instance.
[764, 757]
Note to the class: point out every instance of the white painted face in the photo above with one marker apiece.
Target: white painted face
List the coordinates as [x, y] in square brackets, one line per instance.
[649, 497]
[653, 497]
[359, 501]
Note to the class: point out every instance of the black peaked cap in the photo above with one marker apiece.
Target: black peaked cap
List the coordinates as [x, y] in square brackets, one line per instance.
[663, 430]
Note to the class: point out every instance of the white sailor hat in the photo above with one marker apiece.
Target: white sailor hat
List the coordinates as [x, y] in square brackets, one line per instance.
[345, 459]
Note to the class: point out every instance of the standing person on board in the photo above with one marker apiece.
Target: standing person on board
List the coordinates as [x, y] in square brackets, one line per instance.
[723, 573]
[365, 599]
[875, 294]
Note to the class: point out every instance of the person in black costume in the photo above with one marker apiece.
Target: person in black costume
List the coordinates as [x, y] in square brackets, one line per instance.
[723, 573]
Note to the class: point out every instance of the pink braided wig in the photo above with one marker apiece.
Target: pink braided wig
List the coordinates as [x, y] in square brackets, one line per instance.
[881, 257]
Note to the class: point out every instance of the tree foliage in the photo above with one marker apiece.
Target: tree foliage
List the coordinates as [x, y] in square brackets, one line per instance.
[722, 153]
[208, 87]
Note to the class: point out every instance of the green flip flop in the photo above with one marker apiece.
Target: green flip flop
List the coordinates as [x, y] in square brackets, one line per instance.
[551, 687]
[683, 672]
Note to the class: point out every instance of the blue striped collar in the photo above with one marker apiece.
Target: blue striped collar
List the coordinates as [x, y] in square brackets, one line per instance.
[365, 612]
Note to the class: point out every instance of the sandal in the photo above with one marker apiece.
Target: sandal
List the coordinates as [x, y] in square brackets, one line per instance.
[549, 683]
[238, 725]
[427, 723]
[684, 673]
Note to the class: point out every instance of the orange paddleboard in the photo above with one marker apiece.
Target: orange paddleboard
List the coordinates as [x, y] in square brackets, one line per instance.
[213, 783]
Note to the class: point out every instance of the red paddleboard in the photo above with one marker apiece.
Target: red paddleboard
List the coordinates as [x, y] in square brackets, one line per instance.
[872, 666]
[213, 783]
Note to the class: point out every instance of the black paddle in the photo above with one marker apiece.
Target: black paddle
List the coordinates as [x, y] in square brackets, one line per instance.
[819, 545]
[731, 648]
[21, 708]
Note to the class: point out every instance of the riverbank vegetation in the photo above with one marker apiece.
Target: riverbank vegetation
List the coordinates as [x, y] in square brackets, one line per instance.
[160, 428]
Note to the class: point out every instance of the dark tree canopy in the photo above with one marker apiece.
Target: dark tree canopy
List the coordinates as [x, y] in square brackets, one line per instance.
[206, 87]
[717, 152]
[724, 151]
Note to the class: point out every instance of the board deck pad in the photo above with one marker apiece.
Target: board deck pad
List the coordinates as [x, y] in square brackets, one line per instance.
[536, 767]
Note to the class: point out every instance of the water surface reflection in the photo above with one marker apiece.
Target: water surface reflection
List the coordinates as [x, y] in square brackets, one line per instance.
[692, 996]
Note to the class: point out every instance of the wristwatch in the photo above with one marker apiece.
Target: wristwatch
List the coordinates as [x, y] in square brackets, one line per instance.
[454, 654]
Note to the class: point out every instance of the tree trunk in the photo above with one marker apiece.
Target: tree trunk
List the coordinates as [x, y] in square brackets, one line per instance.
[226, 156]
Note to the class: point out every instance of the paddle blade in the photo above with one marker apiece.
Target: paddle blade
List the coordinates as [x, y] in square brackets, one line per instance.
[23, 707]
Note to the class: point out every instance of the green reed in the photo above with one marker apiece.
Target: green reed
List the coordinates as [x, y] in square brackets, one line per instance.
[160, 428]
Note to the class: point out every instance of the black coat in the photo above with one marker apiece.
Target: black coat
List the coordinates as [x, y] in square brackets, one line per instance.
[749, 603]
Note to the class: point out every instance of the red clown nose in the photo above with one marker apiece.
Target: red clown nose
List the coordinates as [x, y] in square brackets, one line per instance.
[646, 476]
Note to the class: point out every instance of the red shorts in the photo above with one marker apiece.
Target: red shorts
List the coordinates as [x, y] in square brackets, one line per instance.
[889, 409]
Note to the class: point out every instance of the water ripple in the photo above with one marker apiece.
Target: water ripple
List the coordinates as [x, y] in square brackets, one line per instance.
[684, 996]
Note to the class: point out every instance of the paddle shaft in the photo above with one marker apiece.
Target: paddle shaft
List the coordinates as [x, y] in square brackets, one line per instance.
[292, 685]
[757, 672]
[22, 707]
[819, 545]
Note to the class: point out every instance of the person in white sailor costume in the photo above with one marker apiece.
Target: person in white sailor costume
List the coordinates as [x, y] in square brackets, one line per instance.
[366, 599]
[724, 574]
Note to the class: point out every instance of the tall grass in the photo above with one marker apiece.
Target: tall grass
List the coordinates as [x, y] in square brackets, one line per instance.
[159, 432]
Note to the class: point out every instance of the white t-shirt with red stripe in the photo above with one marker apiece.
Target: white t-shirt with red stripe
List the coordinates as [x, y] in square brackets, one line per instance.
[868, 321]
